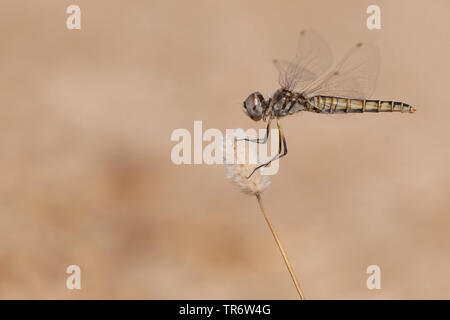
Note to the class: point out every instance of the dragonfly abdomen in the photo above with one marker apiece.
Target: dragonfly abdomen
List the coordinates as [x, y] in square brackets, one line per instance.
[325, 104]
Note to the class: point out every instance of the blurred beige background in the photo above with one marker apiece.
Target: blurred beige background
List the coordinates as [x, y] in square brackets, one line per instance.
[86, 118]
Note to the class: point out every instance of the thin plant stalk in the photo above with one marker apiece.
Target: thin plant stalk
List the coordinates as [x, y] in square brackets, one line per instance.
[283, 253]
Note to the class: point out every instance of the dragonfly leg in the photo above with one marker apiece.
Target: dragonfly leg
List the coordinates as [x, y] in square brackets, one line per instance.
[258, 140]
[282, 150]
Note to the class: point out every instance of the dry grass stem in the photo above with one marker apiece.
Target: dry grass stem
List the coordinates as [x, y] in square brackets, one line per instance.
[255, 185]
[283, 253]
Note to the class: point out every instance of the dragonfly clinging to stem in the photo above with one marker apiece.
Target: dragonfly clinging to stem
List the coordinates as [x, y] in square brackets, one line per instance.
[306, 86]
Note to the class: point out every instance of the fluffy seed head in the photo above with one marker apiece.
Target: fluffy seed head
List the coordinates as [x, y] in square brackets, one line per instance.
[240, 161]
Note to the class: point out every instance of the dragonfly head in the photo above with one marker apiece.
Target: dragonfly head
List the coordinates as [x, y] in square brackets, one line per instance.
[255, 106]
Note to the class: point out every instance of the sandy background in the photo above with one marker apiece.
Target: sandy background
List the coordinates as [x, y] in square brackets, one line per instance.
[86, 176]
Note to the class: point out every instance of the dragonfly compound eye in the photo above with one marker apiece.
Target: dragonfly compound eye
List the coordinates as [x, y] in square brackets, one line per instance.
[254, 106]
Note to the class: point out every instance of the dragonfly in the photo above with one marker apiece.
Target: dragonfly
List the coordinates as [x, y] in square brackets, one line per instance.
[307, 85]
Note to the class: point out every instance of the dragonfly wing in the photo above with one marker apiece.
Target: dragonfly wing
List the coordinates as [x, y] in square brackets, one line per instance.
[313, 58]
[353, 77]
[291, 75]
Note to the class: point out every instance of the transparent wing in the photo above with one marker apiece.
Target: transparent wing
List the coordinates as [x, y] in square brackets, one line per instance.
[312, 59]
[353, 77]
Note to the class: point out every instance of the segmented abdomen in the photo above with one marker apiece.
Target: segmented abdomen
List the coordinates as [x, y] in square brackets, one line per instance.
[324, 104]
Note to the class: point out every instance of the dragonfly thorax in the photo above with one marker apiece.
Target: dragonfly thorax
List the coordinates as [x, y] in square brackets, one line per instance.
[285, 102]
[282, 103]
